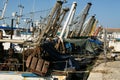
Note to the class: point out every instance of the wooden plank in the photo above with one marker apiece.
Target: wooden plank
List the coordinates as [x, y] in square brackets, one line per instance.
[28, 61]
[45, 66]
[33, 63]
[12, 41]
[39, 65]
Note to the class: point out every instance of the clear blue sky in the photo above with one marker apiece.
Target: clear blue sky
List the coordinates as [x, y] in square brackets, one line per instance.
[107, 11]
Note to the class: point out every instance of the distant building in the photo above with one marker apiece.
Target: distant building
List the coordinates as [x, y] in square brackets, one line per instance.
[113, 33]
[113, 36]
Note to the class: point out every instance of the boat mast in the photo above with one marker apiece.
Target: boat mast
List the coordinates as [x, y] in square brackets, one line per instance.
[82, 20]
[93, 27]
[66, 24]
[68, 19]
[105, 43]
[69, 23]
[51, 22]
[97, 31]
[4, 9]
[20, 15]
[63, 13]
[88, 26]
[79, 21]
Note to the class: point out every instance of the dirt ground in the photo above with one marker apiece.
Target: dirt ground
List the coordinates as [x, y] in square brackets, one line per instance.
[106, 69]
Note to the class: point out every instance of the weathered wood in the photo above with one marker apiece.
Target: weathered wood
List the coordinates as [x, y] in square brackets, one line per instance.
[28, 61]
[12, 41]
[45, 66]
[52, 21]
[39, 65]
[33, 63]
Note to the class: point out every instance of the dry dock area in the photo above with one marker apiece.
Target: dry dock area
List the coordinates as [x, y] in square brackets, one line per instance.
[109, 70]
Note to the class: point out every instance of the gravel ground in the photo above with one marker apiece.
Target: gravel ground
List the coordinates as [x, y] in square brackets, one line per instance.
[106, 70]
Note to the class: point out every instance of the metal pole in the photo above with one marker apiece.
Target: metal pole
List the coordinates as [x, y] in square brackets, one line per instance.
[82, 19]
[11, 36]
[70, 21]
[105, 43]
[67, 20]
[3, 12]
